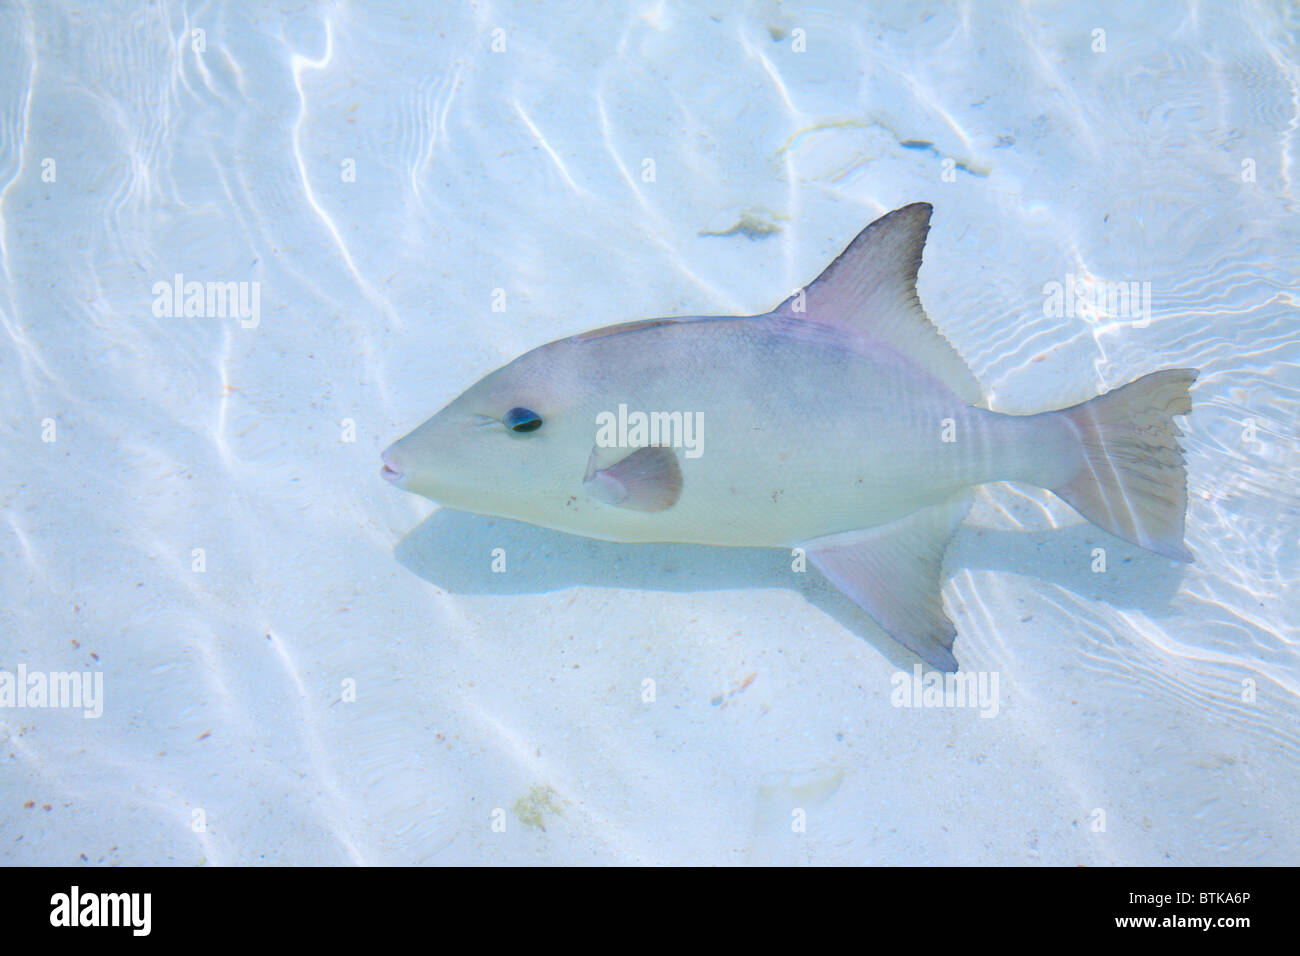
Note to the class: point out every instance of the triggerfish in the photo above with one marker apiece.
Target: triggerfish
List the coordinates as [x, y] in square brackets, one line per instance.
[841, 423]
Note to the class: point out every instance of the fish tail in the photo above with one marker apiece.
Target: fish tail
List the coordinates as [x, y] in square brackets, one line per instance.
[1132, 481]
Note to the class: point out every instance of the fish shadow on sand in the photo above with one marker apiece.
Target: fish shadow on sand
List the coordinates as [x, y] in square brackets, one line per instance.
[453, 550]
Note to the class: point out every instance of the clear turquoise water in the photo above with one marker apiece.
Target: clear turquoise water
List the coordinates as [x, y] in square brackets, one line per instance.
[330, 689]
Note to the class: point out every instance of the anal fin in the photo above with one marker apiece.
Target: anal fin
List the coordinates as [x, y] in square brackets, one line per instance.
[892, 572]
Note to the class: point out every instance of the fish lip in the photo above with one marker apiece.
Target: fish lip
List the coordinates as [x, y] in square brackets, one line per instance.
[390, 472]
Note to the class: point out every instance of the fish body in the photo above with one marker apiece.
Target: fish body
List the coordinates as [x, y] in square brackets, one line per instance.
[841, 422]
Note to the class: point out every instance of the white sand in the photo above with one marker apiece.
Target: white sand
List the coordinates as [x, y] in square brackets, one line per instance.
[1120, 694]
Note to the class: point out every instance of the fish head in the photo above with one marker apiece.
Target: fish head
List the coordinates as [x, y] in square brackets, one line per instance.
[514, 444]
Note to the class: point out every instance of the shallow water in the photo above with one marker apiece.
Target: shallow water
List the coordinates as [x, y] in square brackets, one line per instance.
[330, 689]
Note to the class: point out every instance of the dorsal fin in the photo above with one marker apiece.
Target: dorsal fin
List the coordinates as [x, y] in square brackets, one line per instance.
[870, 289]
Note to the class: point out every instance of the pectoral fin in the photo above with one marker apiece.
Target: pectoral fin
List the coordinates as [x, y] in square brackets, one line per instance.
[649, 479]
[892, 572]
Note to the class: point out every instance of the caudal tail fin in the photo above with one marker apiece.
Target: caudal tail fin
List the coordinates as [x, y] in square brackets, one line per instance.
[1132, 482]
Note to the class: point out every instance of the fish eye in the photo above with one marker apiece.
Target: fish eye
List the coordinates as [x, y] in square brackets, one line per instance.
[522, 420]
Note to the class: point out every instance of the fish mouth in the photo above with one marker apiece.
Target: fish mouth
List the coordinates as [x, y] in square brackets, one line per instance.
[390, 472]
